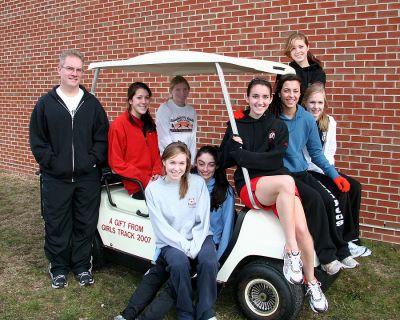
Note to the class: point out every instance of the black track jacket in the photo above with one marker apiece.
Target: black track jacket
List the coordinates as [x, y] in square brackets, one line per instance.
[309, 75]
[265, 141]
[69, 147]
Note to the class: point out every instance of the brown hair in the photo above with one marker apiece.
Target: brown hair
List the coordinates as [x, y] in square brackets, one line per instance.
[276, 105]
[289, 46]
[323, 121]
[256, 81]
[221, 186]
[172, 150]
[177, 80]
[149, 125]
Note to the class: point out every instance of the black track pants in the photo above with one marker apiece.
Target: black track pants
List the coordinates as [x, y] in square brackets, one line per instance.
[70, 213]
[324, 218]
[349, 203]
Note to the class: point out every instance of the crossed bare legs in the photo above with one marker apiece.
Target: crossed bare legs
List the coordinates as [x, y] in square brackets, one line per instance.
[281, 190]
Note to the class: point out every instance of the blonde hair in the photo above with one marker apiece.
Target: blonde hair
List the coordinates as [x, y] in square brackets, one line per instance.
[175, 81]
[323, 120]
[289, 46]
[172, 150]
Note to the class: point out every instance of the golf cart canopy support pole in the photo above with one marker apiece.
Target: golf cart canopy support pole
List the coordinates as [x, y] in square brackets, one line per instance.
[234, 128]
[94, 81]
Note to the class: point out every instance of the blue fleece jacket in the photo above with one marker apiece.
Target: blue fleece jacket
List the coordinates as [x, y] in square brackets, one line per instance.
[221, 220]
[303, 133]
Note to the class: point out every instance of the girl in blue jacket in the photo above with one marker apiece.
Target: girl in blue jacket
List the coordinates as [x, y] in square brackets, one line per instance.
[222, 196]
[319, 203]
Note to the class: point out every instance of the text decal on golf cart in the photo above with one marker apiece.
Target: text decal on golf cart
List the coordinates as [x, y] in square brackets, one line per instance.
[126, 229]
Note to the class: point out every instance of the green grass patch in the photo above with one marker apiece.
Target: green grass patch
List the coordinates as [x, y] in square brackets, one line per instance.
[370, 292]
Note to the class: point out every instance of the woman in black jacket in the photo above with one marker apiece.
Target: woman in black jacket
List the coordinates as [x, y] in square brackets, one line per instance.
[308, 67]
[260, 147]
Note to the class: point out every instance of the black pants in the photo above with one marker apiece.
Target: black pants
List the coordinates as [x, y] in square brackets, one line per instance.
[70, 213]
[349, 203]
[145, 295]
[144, 303]
[324, 218]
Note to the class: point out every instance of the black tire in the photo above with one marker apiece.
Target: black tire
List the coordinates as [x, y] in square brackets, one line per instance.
[264, 293]
[98, 252]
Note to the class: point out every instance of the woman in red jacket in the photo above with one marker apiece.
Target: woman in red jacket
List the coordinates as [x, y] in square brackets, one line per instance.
[132, 141]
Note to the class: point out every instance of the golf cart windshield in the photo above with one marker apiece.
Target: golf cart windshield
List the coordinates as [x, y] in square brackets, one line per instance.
[192, 63]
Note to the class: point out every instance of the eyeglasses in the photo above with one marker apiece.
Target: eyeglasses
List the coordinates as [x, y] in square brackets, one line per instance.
[72, 70]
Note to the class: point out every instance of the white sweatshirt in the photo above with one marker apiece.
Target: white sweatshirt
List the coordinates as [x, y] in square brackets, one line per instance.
[329, 147]
[180, 223]
[175, 123]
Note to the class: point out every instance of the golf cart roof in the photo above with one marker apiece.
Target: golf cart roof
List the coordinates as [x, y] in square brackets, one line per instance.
[177, 62]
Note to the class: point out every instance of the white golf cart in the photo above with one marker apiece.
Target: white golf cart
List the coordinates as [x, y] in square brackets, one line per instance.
[253, 259]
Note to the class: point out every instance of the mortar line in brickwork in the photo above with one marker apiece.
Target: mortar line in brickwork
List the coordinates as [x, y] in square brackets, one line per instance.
[378, 227]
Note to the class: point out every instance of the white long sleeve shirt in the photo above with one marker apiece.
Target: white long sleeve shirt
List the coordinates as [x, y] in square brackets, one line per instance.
[180, 223]
[175, 123]
[329, 148]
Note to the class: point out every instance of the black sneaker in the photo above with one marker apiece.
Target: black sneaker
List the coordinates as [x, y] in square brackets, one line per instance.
[59, 282]
[85, 278]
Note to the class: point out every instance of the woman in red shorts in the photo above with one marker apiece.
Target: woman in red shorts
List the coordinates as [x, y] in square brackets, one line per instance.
[260, 147]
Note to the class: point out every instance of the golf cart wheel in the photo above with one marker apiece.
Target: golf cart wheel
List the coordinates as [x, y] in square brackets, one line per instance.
[98, 252]
[264, 293]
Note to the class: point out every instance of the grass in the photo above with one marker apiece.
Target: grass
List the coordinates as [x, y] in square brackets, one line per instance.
[370, 292]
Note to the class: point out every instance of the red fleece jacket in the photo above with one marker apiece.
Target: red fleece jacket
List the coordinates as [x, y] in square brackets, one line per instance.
[131, 154]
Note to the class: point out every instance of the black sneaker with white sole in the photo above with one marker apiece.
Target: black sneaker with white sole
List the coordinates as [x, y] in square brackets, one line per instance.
[59, 282]
[85, 278]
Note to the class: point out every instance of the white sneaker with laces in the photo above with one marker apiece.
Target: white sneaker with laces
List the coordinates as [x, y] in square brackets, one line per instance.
[333, 267]
[119, 317]
[349, 263]
[318, 302]
[293, 267]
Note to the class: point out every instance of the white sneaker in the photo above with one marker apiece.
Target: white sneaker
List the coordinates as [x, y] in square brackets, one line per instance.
[293, 267]
[349, 263]
[119, 317]
[333, 267]
[358, 251]
[318, 302]
[367, 252]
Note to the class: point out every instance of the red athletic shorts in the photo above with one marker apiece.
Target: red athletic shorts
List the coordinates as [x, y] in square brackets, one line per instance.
[244, 196]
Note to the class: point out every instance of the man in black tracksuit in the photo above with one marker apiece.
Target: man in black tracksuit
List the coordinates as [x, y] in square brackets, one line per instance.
[68, 137]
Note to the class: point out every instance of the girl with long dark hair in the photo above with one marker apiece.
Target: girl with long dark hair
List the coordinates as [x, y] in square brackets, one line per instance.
[221, 193]
[260, 147]
[132, 141]
[319, 203]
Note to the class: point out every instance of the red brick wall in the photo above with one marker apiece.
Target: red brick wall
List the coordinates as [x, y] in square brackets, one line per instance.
[357, 41]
